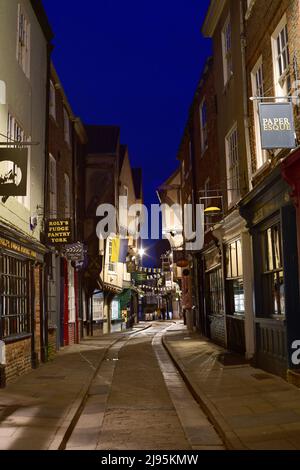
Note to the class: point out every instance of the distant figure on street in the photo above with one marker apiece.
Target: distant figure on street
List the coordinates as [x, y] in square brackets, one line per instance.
[163, 313]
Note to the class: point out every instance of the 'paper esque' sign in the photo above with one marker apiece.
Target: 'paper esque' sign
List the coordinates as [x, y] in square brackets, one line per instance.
[277, 125]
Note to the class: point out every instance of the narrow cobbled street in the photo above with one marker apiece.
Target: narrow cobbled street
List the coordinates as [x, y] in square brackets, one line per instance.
[138, 401]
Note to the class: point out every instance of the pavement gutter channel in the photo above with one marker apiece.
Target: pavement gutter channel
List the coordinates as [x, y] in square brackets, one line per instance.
[228, 436]
[64, 432]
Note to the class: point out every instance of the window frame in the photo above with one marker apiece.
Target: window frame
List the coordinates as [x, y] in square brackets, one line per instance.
[234, 277]
[268, 272]
[112, 266]
[232, 168]
[282, 83]
[52, 186]
[227, 49]
[23, 41]
[215, 292]
[14, 276]
[261, 155]
[67, 196]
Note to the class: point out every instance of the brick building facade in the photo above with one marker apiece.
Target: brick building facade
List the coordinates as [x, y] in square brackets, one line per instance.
[271, 62]
[62, 278]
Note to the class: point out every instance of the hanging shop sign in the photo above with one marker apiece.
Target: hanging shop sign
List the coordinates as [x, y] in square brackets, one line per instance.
[59, 231]
[74, 251]
[131, 266]
[277, 125]
[13, 171]
[139, 277]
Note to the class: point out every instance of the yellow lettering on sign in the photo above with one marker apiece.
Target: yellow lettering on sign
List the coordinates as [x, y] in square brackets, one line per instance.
[17, 248]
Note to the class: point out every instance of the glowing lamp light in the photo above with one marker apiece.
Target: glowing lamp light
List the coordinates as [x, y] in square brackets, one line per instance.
[212, 209]
[141, 252]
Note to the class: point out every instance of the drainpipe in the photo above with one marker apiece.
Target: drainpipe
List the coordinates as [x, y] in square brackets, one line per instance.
[248, 277]
[31, 295]
[245, 96]
[195, 270]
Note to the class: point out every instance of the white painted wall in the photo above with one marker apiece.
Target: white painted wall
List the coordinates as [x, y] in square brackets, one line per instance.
[26, 100]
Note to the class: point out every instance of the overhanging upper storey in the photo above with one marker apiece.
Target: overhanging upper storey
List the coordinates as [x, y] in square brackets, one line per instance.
[212, 17]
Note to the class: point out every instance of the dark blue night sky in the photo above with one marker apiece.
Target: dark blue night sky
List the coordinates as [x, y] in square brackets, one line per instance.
[136, 64]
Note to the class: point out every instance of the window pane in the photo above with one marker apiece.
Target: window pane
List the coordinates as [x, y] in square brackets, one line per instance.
[239, 258]
[278, 294]
[270, 264]
[228, 262]
[234, 260]
[277, 250]
[238, 295]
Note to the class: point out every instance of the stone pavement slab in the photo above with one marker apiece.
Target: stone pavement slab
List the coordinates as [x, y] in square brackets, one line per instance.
[250, 408]
[37, 409]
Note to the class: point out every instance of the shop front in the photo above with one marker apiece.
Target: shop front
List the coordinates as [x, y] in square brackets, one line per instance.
[23, 332]
[214, 296]
[271, 220]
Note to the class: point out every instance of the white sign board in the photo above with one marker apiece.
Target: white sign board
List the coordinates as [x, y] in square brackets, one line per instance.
[115, 310]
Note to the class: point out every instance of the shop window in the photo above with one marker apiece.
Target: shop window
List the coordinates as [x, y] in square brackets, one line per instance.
[273, 279]
[215, 292]
[235, 302]
[14, 298]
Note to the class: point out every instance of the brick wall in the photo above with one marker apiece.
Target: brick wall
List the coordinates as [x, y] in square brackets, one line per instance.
[217, 329]
[52, 343]
[229, 97]
[208, 163]
[72, 333]
[59, 148]
[261, 24]
[18, 359]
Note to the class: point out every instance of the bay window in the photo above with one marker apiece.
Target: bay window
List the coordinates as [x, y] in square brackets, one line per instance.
[234, 279]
